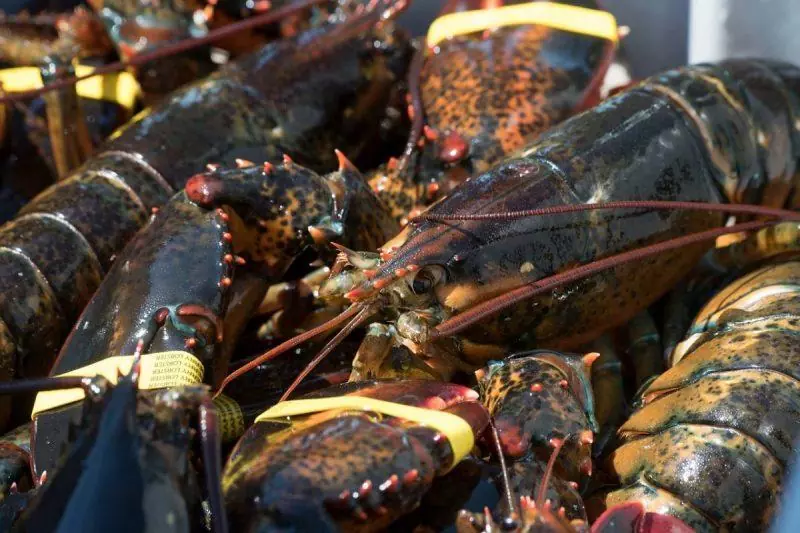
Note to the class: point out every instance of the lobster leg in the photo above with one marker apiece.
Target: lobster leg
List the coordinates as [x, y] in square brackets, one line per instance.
[66, 123]
[212, 463]
[644, 350]
[609, 391]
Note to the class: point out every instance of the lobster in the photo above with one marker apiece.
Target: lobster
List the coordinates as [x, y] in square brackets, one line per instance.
[484, 271]
[193, 277]
[726, 409]
[130, 445]
[477, 97]
[55, 253]
[352, 466]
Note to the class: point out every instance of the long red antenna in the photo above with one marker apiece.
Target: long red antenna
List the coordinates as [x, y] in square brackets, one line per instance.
[462, 321]
[288, 345]
[172, 49]
[736, 209]
[333, 343]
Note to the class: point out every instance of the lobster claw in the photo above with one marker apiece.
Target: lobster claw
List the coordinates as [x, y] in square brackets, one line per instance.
[632, 517]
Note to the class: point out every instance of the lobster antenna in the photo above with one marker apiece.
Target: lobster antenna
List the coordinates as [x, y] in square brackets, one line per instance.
[418, 118]
[172, 49]
[736, 209]
[362, 315]
[548, 472]
[512, 506]
[463, 320]
[289, 344]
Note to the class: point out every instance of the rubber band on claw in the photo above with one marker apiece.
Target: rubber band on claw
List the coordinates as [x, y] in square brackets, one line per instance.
[564, 17]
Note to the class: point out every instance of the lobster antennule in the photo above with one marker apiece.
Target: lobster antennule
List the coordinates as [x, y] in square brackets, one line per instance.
[735, 209]
[462, 321]
[344, 316]
[362, 315]
[172, 49]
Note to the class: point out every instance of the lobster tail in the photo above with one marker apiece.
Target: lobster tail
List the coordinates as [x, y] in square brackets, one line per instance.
[745, 112]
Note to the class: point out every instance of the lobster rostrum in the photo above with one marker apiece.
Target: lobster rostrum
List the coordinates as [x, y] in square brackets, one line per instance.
[458, 285]
[195, 275]
[716, 433]
[478, 96]
[133, 463]
[353, 465]
[56, 252]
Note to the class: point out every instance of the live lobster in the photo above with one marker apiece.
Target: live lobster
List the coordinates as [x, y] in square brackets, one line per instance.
[457, 286]
[55, 253]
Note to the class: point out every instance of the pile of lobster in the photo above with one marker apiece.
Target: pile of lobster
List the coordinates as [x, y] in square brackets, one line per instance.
[539, 307]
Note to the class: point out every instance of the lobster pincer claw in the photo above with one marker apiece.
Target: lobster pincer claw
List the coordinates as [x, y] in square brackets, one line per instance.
[526, 393]
[377, 447]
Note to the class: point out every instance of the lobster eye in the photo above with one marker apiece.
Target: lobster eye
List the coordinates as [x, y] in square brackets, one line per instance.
[421, 284]
[425, 280]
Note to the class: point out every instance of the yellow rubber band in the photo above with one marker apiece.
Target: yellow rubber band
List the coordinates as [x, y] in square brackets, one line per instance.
[574, 19]
[120, 87]
[455, 428]
[229, 418]
[158, 371]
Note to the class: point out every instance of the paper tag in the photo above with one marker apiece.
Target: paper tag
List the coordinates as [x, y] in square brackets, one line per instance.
[574, 19]
[455, 428]
[119, 87]
[158, 371]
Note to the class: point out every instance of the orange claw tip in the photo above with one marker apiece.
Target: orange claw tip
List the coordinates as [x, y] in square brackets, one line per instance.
[480, 374]
[590, 358]
[587, 437]
[287, 161]
[243, 163]
[318, 236]
[429, 133]
[225, 282]
[400, 272]
[344, 163]
[211, 167]
[370, 273]
[392, 164]
[268, 167]
[536, 387]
